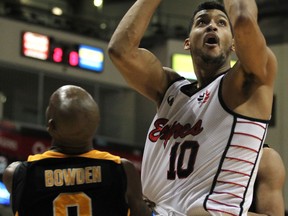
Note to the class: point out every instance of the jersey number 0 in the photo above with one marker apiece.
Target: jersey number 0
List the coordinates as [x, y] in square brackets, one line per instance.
[64, 201]
[188, 147]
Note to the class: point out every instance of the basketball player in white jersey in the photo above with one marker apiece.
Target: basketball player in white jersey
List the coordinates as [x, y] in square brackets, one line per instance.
[205, 142]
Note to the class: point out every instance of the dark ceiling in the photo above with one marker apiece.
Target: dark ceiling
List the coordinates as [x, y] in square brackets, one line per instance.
[80, 16]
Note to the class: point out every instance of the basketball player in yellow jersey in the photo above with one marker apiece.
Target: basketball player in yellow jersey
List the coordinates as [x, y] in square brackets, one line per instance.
[73, 178]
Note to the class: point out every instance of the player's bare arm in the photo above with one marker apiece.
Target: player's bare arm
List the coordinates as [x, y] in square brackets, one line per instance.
[134, 191]
[140, 68]
[271, 180]
[8, 175]
[253, 79]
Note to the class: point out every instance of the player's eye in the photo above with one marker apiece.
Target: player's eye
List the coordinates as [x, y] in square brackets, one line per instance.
[222, 22]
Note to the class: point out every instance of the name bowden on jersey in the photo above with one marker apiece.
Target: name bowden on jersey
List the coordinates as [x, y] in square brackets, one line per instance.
[72, 176]
[165, 131]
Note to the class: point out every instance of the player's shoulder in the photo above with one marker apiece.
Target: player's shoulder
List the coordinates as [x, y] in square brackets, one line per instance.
[127, 163]
[271, 162]
[9, 173]
[270, 154]
[171, 74]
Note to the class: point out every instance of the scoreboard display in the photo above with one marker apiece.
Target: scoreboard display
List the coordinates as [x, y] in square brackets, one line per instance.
[46, 48]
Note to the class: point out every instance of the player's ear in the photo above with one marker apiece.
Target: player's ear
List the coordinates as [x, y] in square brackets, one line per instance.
[187, 44]
[51, 127]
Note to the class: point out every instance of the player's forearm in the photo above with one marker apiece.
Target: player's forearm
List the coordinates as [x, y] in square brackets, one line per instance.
[249, 41]
[240, 8]
[133, 25]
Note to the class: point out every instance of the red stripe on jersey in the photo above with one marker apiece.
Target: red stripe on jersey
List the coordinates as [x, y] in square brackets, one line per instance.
[216, 210]
[250, 135]
[233, 171]
[233, 183]
[231, 194]
[221, 203]
[255, 123]
[238, 159]
[244, 147]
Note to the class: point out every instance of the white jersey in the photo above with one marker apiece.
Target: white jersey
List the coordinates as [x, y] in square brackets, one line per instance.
[200, 158]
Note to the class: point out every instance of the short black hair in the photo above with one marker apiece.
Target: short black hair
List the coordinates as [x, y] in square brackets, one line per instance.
[208, 5]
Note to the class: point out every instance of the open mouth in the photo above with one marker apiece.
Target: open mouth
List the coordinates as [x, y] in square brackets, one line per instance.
[211, 39]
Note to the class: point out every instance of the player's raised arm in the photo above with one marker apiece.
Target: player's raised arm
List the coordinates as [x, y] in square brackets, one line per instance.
[140, 68]
[250, 45]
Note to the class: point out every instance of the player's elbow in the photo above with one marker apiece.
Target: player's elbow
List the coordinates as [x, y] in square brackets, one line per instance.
[114, 51]
[118, 54]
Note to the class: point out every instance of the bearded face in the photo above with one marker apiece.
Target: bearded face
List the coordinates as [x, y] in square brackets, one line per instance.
[211, 39]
